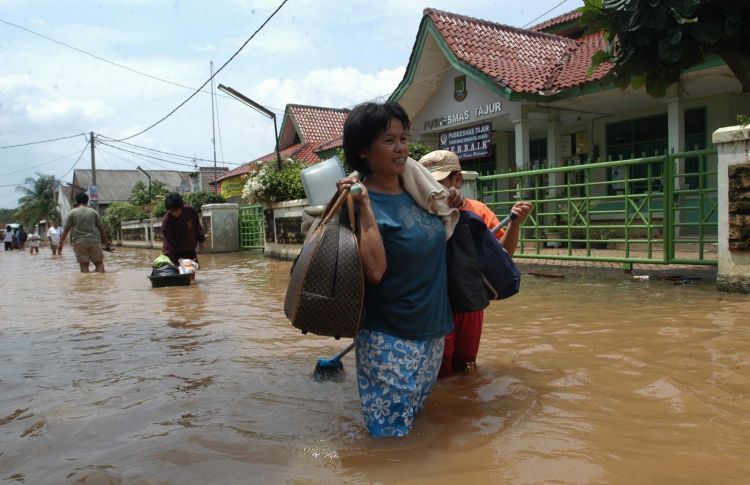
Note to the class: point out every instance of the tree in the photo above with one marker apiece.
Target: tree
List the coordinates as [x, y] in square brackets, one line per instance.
[139, 194]
[651, 42]
[38, 200]
[416, 151]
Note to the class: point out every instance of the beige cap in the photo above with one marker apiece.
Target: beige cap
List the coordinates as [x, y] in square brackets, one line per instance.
[441, 163]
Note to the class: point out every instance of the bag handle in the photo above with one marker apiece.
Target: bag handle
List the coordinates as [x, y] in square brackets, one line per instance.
[335, 204]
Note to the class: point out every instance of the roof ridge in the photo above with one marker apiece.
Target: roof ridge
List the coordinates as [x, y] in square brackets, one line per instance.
[520, 30]
[558, 20]
[343, 110]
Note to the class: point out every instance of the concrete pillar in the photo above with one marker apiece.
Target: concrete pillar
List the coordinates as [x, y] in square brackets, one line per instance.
[523, 157]
[675, 126]
[733, 145]
[223, 235]
[554, 152]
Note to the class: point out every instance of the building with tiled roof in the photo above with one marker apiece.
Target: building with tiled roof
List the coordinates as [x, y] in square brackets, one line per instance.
[505, 98]
[306, 132]
[562, 23]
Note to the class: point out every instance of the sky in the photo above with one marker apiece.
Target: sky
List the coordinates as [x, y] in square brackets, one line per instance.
[128, 63]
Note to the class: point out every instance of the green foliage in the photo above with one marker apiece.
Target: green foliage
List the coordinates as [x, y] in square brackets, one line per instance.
[268, 184]
[416, 151]
[120, 211]
[158, 209]
[197, 199]
[7, 216]
[139, 194]
[650, 43]
[38, 200]
[743, 120]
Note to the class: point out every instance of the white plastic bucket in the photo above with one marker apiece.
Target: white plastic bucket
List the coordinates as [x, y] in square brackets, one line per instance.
[319, 180]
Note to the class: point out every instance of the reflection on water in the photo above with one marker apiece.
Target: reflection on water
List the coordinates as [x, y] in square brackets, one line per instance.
[581, 380]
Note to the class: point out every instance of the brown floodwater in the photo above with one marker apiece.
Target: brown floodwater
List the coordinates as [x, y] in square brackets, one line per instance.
[593, 378]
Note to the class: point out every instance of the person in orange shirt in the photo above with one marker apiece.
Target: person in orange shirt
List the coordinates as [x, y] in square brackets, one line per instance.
[462, 345]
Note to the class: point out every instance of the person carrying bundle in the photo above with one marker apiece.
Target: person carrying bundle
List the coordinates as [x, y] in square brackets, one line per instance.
[462, 345]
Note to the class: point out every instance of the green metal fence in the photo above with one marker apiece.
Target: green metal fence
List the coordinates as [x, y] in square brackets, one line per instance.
[658, 210]
[252, 230]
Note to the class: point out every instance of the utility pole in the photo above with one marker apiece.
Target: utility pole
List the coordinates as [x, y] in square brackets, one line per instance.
[93, 160]
[213, 126]
[95, 195]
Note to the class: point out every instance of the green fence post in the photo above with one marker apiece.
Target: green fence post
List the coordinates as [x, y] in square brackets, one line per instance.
[668, 206]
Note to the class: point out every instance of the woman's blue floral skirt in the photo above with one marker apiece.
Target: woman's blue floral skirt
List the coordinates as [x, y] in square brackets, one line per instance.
[395, 377]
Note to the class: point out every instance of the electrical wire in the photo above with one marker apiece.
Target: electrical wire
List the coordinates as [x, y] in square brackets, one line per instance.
[146, 155]
[77, 160]
[39, 165]
[545, 13]
[135, 163]
[188, 157]
[42, 141]
[212, 77]
[99, 58]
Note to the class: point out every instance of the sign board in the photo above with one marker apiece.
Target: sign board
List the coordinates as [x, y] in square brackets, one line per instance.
[232, 187]
[93, 193]
[470, 142]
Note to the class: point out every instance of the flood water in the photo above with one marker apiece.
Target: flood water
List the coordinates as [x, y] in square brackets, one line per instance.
[584, 379]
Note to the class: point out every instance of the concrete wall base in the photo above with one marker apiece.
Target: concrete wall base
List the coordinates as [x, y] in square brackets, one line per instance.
[732, 283]
[284, 252]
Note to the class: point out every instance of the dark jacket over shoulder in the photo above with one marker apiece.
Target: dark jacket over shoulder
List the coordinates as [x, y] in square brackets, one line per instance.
[181, 234]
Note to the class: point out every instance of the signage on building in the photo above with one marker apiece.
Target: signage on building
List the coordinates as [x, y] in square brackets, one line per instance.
[93, 193]
[232, 187]
[459, 88]
[476, 112]
[470, 142]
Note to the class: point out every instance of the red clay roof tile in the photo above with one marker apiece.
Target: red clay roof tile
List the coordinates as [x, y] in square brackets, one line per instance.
[316, 124]
[555, 21]
[524, 61]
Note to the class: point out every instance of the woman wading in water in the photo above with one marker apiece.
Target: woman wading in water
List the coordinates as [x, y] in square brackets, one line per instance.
[406, 311]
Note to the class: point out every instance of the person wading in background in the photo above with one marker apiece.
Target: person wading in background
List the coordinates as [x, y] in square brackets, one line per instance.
[181, 229]
[462, 345]
[53, 236]
[87, 235]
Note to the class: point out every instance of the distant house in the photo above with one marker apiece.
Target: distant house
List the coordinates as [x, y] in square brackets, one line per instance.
[308, 134]
[117, 185]
[64, 201]
[203, 178]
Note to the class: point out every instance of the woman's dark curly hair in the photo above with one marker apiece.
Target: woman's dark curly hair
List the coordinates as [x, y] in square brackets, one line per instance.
[365, 123]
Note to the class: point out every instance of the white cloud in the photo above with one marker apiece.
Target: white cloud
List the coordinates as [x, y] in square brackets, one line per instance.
[337, 87]
[60, 109]
[200, 48]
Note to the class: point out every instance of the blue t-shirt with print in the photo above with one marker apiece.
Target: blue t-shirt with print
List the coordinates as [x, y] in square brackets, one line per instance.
[411, 301]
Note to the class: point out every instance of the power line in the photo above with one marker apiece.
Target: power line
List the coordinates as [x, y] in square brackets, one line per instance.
[188, 157]
[99, 58]
[77, 160]
[39, 165]
[545, 13]
[146, 155]
[213, 76]
[42, 141]
[136, 163]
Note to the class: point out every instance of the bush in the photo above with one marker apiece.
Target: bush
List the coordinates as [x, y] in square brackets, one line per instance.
[416, 151]
[121, 211]
[197, 199]
[158, 209]
[267, 184]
